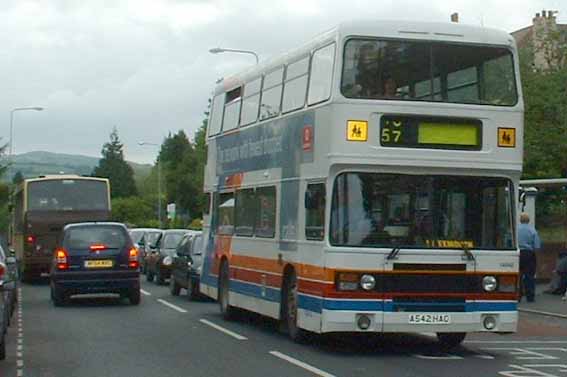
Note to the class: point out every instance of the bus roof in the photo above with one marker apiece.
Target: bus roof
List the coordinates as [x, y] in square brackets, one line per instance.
[62, 177]
[415, 30]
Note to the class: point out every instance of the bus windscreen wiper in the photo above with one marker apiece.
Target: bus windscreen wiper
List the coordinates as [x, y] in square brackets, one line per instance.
[393, 254]
[468, 254]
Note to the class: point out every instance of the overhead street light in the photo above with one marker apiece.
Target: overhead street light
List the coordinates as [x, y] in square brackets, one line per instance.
[11, 152]
[219, 50]
[143, 143]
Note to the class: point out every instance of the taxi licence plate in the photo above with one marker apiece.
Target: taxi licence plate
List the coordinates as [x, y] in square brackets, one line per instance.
[429, 319]
[98, 263]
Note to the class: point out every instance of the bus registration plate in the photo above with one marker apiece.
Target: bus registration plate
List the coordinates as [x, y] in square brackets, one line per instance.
[429, 319]
[98, 263]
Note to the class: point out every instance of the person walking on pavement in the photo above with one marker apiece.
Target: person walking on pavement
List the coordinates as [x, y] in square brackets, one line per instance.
[529, 242]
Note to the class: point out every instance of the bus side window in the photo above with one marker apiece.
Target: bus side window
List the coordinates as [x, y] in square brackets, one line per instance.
[266, 214]
[321, 74]
[295, 87]
[245, 212]
[251, 102]
[226, 214]
[233, 100]
[315, 212]
[271, 94]
[217, 111]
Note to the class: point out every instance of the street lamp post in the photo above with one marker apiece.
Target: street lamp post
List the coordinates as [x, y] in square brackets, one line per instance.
[158, 165]
[12, 127]
[219, 50]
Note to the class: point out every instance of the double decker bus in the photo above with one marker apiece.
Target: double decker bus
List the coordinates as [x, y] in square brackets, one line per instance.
[43, 206]
[367, 182]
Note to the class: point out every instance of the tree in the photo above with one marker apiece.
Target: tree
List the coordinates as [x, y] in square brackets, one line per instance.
[134, 211]
[113, 166]
[18, 178]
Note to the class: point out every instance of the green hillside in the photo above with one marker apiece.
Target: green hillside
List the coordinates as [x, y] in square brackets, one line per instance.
[33, 164]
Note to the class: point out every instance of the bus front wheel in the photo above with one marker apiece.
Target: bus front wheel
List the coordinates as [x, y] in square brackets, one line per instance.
[450, 340]
[228, 311]
[290, 309]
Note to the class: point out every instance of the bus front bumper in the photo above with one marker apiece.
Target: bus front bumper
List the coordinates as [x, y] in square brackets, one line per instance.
[351, 321]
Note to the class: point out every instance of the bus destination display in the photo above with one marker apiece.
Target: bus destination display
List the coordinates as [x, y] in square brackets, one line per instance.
[426, 132]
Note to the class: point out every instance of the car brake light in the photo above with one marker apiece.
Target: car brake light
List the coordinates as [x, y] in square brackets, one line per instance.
[2, 270]
[62, 263]
[98, 247]
[30, 239]
[133, 258]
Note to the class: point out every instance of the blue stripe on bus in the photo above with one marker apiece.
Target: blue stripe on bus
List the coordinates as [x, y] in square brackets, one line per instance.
[270, 294]
[317, 304]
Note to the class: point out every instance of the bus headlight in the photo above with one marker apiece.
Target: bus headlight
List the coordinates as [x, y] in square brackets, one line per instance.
[167, 261]
[489, 283]
[367, 282]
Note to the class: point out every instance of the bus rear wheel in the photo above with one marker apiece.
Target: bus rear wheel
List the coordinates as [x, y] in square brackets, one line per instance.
[450, 340]
[290, 309]
[228, 312]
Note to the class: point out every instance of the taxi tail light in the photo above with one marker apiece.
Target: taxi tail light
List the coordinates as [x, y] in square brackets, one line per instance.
[507, 284]
[347, 281]
[62, 260]
[133, 258]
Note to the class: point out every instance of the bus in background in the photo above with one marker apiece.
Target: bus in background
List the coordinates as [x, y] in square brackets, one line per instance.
[367, 182]
[43, 206]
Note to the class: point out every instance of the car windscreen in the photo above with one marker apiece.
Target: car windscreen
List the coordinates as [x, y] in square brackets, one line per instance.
[67, 195]
[422, 211]
[82, 238]
[171, 240]
[136, 235]
[407, 70]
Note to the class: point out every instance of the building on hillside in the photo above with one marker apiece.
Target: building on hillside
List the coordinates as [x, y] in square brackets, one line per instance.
[544, 36]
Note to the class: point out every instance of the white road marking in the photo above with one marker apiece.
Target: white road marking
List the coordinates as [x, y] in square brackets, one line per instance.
[523, 341]
[485, 357]
[174, 307]
[20, 349]
[222, 329]
[549, 314]
[145, 293]
[301, 364]
[443, 357]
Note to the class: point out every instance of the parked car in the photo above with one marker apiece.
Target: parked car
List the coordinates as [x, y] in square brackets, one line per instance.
[143, 238]
[97, 257]
[8, 295]
[187, 262]
[159, 260]
[10, 282]
[4, 313]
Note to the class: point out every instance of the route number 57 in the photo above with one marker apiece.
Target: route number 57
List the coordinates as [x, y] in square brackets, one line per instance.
[389, 135]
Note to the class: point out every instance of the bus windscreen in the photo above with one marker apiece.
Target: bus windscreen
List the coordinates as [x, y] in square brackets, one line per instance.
[428, 71]
[422, 211]
[67, 195]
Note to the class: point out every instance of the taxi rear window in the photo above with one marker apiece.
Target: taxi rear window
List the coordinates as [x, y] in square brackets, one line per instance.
[84, 237]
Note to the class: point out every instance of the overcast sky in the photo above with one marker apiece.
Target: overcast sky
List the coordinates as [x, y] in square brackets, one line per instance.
[144, 66]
